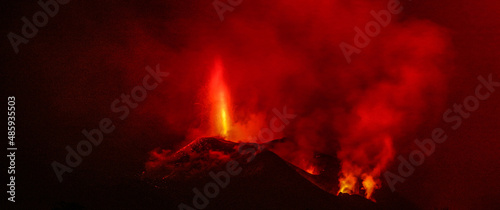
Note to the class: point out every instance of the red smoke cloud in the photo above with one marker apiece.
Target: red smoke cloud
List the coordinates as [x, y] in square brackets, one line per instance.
[286, 53]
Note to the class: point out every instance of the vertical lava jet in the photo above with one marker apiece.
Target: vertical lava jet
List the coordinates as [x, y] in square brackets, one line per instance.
[219, 100]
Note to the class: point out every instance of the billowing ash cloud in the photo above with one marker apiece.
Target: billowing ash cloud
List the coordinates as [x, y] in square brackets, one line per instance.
[287, 53]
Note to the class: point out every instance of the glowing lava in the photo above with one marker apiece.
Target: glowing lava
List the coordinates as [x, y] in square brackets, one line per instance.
[369, 185]
[219, 97]
[312, 170]
[347, 184]
[351, 175]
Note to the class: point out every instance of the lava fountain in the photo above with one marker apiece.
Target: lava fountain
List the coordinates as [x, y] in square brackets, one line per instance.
[219, 100]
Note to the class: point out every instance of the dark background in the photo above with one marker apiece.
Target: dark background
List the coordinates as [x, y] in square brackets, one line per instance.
[66, 77]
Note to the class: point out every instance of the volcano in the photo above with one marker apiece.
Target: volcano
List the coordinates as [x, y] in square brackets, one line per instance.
[197, 177]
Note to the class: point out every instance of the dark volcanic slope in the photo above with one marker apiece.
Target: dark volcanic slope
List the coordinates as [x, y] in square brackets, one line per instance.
[270, 183]
[266, 182]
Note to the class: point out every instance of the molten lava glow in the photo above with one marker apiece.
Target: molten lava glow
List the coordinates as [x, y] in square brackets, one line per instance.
[225, 125]
[312, 170]
[219, 98]
[369, 185]
[347, 184]
[368, 145]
